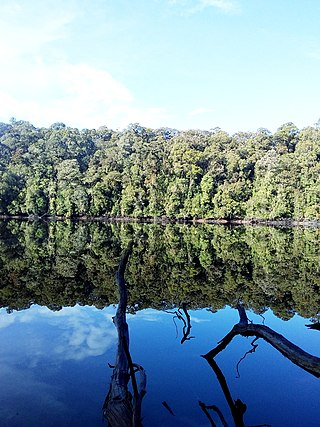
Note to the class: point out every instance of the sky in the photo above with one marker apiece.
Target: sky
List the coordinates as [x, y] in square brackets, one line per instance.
[186, 64]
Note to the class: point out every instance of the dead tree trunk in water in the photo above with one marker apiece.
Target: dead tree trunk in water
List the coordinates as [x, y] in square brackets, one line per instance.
[297, 356]
[121, 408]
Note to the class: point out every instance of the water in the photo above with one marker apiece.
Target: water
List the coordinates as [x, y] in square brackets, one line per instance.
[59, 343]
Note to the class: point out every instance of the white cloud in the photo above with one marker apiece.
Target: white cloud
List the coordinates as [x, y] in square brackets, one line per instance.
[76, 94]
[6, 320]
[38, 338]
[84, 333]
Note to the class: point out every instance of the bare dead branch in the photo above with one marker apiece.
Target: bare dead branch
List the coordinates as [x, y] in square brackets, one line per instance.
[294, 353]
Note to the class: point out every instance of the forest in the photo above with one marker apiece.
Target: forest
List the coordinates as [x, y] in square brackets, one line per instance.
[145, 173]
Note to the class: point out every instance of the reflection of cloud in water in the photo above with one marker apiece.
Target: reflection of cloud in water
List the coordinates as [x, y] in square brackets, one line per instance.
[195, 319]
[148, 315]
[79, 332]
[83, 340]
[87, 332]
[6, 320]
[33, 376]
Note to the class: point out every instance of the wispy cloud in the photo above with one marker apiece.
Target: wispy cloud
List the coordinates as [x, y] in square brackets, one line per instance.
[77, 94]
[195, 319]
[193, 6]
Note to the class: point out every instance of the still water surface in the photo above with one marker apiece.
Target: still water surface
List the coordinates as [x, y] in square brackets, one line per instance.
[59, 343]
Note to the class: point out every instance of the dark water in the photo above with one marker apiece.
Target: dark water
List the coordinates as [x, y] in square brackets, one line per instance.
[59, 344]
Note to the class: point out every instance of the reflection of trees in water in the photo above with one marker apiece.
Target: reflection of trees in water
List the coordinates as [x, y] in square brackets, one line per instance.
[64, 263]
[60, 264]
[292, 352]
[123, 408]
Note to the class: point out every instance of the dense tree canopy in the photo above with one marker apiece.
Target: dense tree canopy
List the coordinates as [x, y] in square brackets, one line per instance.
[141, 172]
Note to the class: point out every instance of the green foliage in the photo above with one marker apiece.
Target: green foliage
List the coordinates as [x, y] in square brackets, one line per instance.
[142, 172]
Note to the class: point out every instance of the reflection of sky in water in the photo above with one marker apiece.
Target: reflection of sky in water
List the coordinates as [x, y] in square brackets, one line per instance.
[75, 332]
[54, 368]
[41, 370]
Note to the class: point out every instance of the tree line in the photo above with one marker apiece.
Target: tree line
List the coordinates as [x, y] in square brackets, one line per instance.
[142, 172]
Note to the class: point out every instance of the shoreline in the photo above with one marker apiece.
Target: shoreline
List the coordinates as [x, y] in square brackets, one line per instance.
[166, 220]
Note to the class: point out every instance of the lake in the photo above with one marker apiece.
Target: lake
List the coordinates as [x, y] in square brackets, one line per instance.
[187, 288]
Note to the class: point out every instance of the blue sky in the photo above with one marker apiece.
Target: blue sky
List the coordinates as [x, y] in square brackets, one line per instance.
[234, 64]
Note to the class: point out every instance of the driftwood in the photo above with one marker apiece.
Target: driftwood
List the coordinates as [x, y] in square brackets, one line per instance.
[120, 408]
[294, 353]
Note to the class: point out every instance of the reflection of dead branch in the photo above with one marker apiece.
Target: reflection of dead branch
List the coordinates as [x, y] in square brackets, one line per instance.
[298, 356]
[186, 322]
[120, 408]
[237, 407]
[164, 403]
[174, 321]
[187, 325]
[252, 350]
[215, 409]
